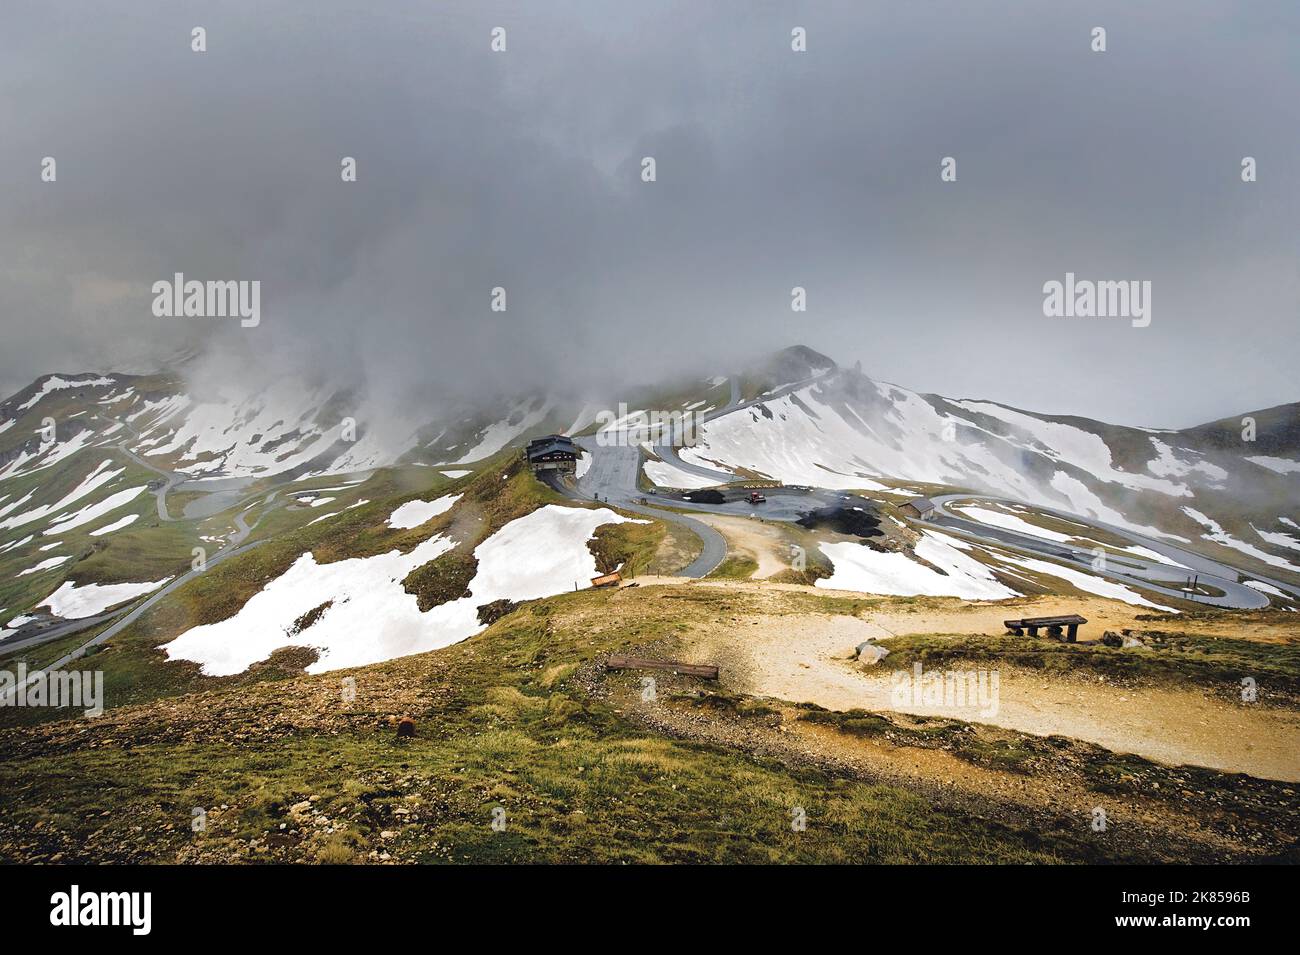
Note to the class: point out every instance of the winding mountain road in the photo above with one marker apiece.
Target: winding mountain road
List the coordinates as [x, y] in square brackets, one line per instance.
[612, 478]
[233, 547]
[616, 462]
[132, 612]
[129, 614]
[1131, 568]
[614, 471]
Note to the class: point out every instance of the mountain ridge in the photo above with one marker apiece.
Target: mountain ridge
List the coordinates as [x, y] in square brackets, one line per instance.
[797, 417]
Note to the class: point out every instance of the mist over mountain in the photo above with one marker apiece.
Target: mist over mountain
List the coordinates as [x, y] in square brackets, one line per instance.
[795, 417]
[521, 170]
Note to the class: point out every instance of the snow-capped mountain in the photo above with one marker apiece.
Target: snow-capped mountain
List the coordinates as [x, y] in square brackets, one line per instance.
[290, 427]
[1230, 486]
[1233, 483]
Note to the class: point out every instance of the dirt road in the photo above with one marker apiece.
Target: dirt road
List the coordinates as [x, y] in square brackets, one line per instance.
[808, 659]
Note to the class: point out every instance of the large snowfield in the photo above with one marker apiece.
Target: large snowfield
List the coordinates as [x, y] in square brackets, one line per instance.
[370, 617]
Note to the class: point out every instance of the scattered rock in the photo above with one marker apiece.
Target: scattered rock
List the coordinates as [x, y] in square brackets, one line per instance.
[870, 653]
[490, 613]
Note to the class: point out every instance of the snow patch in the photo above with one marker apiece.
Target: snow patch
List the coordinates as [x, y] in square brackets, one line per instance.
[996, 518]
[861, 568]
[43, 565]
[117, 525]
[93, 481]
[1277, 465]
[1088, 583]
[414, 513]
[1220, 536]
[71, 602]
[1266, 588]
[94, 511]
[666, 475]
[495, 437]
[55, 383]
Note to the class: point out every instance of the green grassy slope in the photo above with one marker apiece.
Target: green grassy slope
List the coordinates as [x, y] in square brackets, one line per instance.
[515, 719]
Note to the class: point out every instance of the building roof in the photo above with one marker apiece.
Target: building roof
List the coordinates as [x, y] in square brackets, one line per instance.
[551, 444]
[549, 438]
[922, 504]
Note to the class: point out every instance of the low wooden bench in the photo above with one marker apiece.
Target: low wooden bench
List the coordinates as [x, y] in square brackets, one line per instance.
[1053, 626]
[618, 662]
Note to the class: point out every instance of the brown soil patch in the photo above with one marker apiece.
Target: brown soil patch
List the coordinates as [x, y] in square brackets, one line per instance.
[765, 543]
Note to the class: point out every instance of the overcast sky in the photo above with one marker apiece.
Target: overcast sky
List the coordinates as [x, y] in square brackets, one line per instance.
[774, 169]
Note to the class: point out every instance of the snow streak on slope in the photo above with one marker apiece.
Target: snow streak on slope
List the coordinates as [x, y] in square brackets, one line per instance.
[43, 565]
[55, 383]
[1168, 464]
[793, 439]
[46, 455]
[93, 511]
[1266, 589]
[1074, 446]
[1277, 538]
[96, 479]
[1220, 536]
[999, 518]
[14, 625]
[811, 437]
[1088, 583]
[287, 426]
[15, 544]
[523, 417]
[1276, 465]
[116, 525]
[949, 571]
[1081, 500]
[272, 431]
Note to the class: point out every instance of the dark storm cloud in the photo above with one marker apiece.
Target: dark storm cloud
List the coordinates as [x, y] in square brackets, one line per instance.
[775, 169]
